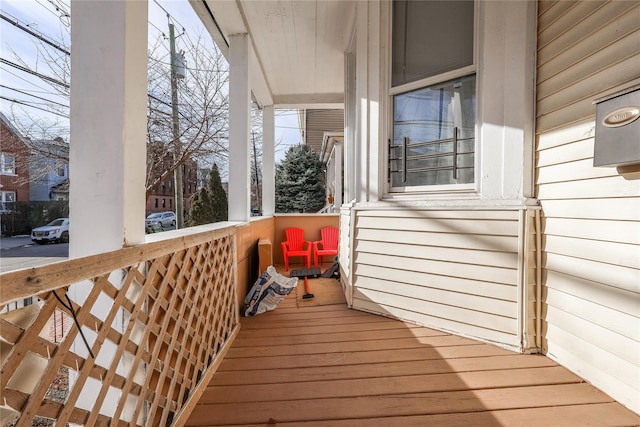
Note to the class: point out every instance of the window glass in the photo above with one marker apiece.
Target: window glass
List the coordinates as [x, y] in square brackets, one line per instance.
[433, 124]
[7, 163]
[8, 196]
[6, 200]
[430, 38]
[434, 134]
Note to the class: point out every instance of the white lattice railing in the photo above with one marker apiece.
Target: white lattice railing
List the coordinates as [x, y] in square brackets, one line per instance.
[155, 321]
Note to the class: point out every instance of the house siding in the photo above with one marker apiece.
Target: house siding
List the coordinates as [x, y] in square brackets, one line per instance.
[465, 271]
[590, 216]
[320, 121]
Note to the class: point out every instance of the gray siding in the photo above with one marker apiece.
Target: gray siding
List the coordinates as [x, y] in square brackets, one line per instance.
[319, 122]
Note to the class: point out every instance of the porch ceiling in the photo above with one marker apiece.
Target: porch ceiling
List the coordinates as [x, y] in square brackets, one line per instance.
[298, 45]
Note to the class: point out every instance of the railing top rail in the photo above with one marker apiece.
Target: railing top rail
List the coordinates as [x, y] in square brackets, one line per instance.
[36, 280]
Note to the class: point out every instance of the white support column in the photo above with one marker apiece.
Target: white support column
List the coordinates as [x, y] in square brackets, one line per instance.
[108, 125]
[268, 161]
[239, 128]
[373, 100]
[337, 160]
[362, 119]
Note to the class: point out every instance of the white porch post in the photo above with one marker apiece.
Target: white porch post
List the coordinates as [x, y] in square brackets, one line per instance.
[108, 125]
[337, 192]
[239, 128]
[268, 161]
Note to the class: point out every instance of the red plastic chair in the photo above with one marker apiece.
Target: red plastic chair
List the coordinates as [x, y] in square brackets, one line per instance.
[295, 245]
[329, 244]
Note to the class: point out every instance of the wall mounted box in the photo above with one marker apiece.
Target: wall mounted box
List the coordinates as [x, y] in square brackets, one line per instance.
[617, 140]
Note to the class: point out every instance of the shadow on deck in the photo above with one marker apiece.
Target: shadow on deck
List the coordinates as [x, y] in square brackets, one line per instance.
[327, 365]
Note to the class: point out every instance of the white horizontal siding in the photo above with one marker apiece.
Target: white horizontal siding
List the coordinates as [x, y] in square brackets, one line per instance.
[590, 216]
[585, 50]
[605, 230]
[424, 318]
[439, 282]
[619, 209]
[614, 253]
[456, 270]
[555, 58]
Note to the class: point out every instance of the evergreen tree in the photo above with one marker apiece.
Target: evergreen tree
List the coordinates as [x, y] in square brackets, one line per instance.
[210, 203]
[300, 181]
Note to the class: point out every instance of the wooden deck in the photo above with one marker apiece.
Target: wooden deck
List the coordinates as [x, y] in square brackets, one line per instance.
[331, 366]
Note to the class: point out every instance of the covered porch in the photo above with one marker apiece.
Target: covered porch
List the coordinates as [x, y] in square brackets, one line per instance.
[158, 339]
[162, 344]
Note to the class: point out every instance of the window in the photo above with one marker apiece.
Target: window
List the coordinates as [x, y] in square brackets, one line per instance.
[433, 135]
[7, 200]
[434, 94]
[7, 164]
[61, 171]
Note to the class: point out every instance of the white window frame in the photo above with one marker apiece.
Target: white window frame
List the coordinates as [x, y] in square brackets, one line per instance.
[3, 200]
[505, 38]
[399, 192]
[3, 164]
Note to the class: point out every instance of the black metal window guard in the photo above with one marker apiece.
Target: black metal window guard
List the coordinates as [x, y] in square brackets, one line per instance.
[402, 158]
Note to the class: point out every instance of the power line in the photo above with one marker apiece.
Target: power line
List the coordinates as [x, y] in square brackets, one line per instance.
[33, 106]
[35, 96]
[156, 27]
[37, 34]
[66, 24]
[28, 81]
[35, 73]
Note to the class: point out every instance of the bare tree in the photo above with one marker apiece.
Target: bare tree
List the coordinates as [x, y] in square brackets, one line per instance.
[203, 111]
[203, 106]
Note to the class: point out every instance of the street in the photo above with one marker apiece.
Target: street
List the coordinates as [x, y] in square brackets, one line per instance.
[20, 252]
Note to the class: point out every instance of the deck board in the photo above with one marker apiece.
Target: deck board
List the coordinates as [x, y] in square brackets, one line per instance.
[331, 366]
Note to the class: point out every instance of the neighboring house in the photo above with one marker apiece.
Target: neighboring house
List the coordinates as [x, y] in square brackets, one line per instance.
[60, 191]
[49, 167]
[323, 131]
[14, 166]
[162, 198]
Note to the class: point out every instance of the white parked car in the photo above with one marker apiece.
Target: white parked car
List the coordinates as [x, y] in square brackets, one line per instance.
[163, 219]
[56, 231]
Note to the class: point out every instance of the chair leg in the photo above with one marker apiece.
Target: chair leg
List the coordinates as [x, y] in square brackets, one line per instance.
[286, 264]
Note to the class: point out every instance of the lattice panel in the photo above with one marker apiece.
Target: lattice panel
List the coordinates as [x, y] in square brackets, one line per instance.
[149, 333]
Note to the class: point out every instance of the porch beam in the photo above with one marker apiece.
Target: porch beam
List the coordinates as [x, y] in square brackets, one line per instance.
[239, 128]
[108, 125]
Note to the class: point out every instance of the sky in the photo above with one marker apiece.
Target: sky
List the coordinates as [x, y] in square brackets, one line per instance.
[51, 19]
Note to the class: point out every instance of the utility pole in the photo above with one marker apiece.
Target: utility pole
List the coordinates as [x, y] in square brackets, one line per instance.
[255, 168]
[177, 147]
